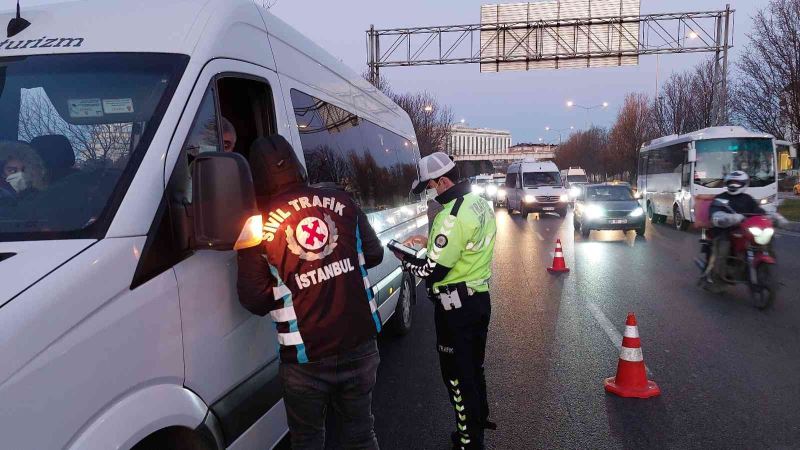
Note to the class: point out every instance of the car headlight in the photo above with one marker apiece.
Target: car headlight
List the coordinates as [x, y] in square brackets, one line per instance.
[491, 190]
[768, 200]
[595, 212]
[574, 191]
[762, 236]
[638, 212]
[563, 198]
[501, 193]
[477, 189]
[530, 199]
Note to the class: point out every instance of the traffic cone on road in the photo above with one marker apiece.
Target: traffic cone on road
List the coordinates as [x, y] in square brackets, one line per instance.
[558, 260]
[631, 379]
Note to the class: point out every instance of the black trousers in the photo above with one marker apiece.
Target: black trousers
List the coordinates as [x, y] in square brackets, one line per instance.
[344, 383]
[461, 343]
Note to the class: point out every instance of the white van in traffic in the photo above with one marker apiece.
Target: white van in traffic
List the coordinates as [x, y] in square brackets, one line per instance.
[535, 186]
[120, 325]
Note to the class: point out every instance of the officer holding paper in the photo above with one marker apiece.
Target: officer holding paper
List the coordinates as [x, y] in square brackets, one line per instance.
[457, 269]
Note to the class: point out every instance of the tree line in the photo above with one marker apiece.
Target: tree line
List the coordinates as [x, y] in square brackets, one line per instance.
[763, 93]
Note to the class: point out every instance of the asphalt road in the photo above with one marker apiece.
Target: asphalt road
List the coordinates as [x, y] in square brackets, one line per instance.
[728, 372]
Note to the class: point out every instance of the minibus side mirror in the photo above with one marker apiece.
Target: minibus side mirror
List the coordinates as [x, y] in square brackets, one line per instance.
[225, 214]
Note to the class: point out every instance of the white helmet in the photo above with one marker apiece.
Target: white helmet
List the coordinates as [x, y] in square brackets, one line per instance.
[432, 167]
[736, 182]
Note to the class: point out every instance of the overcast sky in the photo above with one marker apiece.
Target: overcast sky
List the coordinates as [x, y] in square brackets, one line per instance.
[522, 102]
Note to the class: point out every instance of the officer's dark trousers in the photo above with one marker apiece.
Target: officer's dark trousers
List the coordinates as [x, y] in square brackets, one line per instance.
[461, 343]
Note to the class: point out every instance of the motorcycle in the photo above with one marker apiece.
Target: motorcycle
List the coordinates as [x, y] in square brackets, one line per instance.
[750, 260]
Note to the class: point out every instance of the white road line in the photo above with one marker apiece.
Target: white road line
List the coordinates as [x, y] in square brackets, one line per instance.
[539, 235]
[612, 333]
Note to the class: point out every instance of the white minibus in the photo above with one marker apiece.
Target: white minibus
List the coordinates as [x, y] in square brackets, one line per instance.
[674, 170]
[120, 325]
[535, 186]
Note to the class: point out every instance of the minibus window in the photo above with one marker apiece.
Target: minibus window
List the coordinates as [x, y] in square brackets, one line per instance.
[77, 126]
[204, 136]
[370, 162]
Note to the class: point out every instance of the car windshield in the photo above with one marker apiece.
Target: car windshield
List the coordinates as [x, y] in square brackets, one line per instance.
[74, 130]
[533, 179]
[577, 179]
[608, 194]
[719, 157]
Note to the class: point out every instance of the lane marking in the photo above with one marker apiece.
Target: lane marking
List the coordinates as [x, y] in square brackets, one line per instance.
[611, 331]
[539, 235]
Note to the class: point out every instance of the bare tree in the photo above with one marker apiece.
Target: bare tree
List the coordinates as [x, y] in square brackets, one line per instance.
[767, 94]
[587, 149]
[433, 121]
[685, 102]
[632, 128]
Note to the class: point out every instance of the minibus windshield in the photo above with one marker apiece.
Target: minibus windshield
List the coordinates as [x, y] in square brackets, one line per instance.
[533, 179]
[719, 157]
[74, 128]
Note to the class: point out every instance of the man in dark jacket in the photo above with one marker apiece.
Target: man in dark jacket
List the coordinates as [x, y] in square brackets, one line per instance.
[310, 275]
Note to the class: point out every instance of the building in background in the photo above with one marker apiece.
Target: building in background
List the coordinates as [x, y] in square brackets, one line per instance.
[478, 144]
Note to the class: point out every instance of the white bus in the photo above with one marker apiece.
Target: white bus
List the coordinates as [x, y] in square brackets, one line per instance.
[120, 324]
[674, 170]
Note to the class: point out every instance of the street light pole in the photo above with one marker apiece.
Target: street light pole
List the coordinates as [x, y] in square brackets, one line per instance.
[572, 104]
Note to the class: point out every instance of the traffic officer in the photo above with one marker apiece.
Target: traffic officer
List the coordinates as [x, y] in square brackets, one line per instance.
[457, 269]
[310, 276]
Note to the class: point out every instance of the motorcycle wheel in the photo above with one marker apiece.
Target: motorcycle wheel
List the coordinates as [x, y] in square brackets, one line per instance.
[764, 293]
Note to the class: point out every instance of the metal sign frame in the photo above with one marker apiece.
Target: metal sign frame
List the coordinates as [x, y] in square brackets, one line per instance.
[665, 33]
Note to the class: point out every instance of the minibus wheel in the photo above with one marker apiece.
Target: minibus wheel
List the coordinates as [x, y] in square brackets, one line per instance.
[176, 438]
[404, 311]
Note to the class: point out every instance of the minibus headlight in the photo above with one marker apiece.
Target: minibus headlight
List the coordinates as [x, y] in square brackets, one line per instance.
[574, 191]
[638, 212]
[530, 199]
[251, 235]
[491, 189]
[563, 198]
[477, 189]
[501, 193]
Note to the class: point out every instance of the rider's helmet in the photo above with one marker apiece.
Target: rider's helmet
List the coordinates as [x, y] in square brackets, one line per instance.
[736, 182]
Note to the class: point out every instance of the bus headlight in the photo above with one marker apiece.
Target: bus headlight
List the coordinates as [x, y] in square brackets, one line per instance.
[761, 236]
[638, 212]
[491, 189]
[501, 193]
[563, 198]
[595, 212]
[477, 189]
[768, 200]
[530, 199]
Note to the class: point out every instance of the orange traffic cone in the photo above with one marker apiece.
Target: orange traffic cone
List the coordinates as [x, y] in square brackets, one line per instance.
[631, 379]
[558, 260]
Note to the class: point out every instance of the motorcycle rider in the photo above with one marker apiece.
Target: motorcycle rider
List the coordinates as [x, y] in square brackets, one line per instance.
[727, 212]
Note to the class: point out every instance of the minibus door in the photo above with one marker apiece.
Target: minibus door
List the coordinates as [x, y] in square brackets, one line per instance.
[230, 354]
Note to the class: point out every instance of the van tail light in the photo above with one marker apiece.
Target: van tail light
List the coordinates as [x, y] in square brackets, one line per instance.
[251, 235]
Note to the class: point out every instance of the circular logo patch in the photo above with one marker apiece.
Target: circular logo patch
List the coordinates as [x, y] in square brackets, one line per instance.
[312, 233]
[441, 241]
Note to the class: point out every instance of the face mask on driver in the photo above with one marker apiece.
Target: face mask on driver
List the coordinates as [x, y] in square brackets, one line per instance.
[18, 181]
